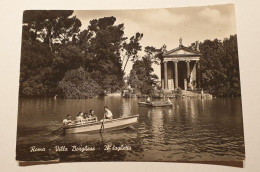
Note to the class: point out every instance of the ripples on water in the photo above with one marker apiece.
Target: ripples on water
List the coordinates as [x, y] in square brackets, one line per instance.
[191, 130]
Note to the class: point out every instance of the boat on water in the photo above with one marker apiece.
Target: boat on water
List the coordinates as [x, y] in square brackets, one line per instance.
[94, 127]
[155, 104]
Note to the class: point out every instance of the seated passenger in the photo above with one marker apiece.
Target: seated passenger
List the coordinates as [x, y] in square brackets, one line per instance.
[91, 115]
[85, 115]
[79, 117]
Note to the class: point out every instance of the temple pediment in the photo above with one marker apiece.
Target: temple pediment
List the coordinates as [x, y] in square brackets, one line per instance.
[182, 52]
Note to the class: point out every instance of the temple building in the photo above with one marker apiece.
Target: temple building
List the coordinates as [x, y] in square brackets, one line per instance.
[179, 67]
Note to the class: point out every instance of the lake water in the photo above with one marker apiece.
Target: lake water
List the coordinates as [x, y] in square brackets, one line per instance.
[193, 129]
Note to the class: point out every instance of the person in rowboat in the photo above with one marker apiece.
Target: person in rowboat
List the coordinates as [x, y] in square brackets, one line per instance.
[148, 100]
[168, 101]
[67, 120]
[108, 114]
[92, 116]
[85, 116]
[79, 117]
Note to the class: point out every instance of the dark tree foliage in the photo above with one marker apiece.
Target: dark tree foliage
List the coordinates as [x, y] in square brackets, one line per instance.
[69, 58]
[41, 68]
[78, 84]
[35, 70]
[52, 45]
[50, 25]
[219, 67]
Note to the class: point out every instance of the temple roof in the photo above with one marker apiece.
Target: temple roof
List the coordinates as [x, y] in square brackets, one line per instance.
[181, 51]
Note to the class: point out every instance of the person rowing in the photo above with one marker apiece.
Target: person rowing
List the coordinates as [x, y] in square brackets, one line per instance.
[67, 120]
[108, 114]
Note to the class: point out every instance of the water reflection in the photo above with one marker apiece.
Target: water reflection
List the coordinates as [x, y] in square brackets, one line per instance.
[125, 108]
[156, 117]
[193, 129]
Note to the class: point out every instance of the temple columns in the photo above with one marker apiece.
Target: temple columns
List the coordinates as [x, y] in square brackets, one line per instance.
[165, 76]
[176, 73]
[198, 77]
[188, 69]
[194, 75]
[185, 71]
[188, 73]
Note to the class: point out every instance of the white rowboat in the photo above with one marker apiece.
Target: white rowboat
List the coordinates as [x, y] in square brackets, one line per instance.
[114, 124]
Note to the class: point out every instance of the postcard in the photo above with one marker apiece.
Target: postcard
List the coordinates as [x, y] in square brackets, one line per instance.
[146, 85]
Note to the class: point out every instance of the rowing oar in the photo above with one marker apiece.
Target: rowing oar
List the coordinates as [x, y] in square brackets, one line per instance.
[102, 125]
[56, 130]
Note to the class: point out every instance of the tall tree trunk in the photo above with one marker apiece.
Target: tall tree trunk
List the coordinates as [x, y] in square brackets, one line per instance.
[50, 43]
[35, 34]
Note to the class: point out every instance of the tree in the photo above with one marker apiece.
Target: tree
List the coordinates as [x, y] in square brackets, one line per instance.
[51, 26]
[52, 46]
[141, 76]
[36, 69]
[146, 80]
[219, 67]
[39, 64]
[102, 43]
[232, 64]
[133, 47]
[154, 54]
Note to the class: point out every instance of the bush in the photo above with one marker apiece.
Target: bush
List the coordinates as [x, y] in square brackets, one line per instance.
[33, 87]
[78, 84]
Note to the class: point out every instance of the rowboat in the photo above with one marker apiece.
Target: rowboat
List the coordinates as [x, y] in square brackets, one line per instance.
[114, 124]
[155, 104]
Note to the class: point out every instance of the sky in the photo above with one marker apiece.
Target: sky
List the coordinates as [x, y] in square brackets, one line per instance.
[166, 26]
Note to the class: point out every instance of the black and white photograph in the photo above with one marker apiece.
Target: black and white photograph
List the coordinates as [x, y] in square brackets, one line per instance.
[145, 85]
